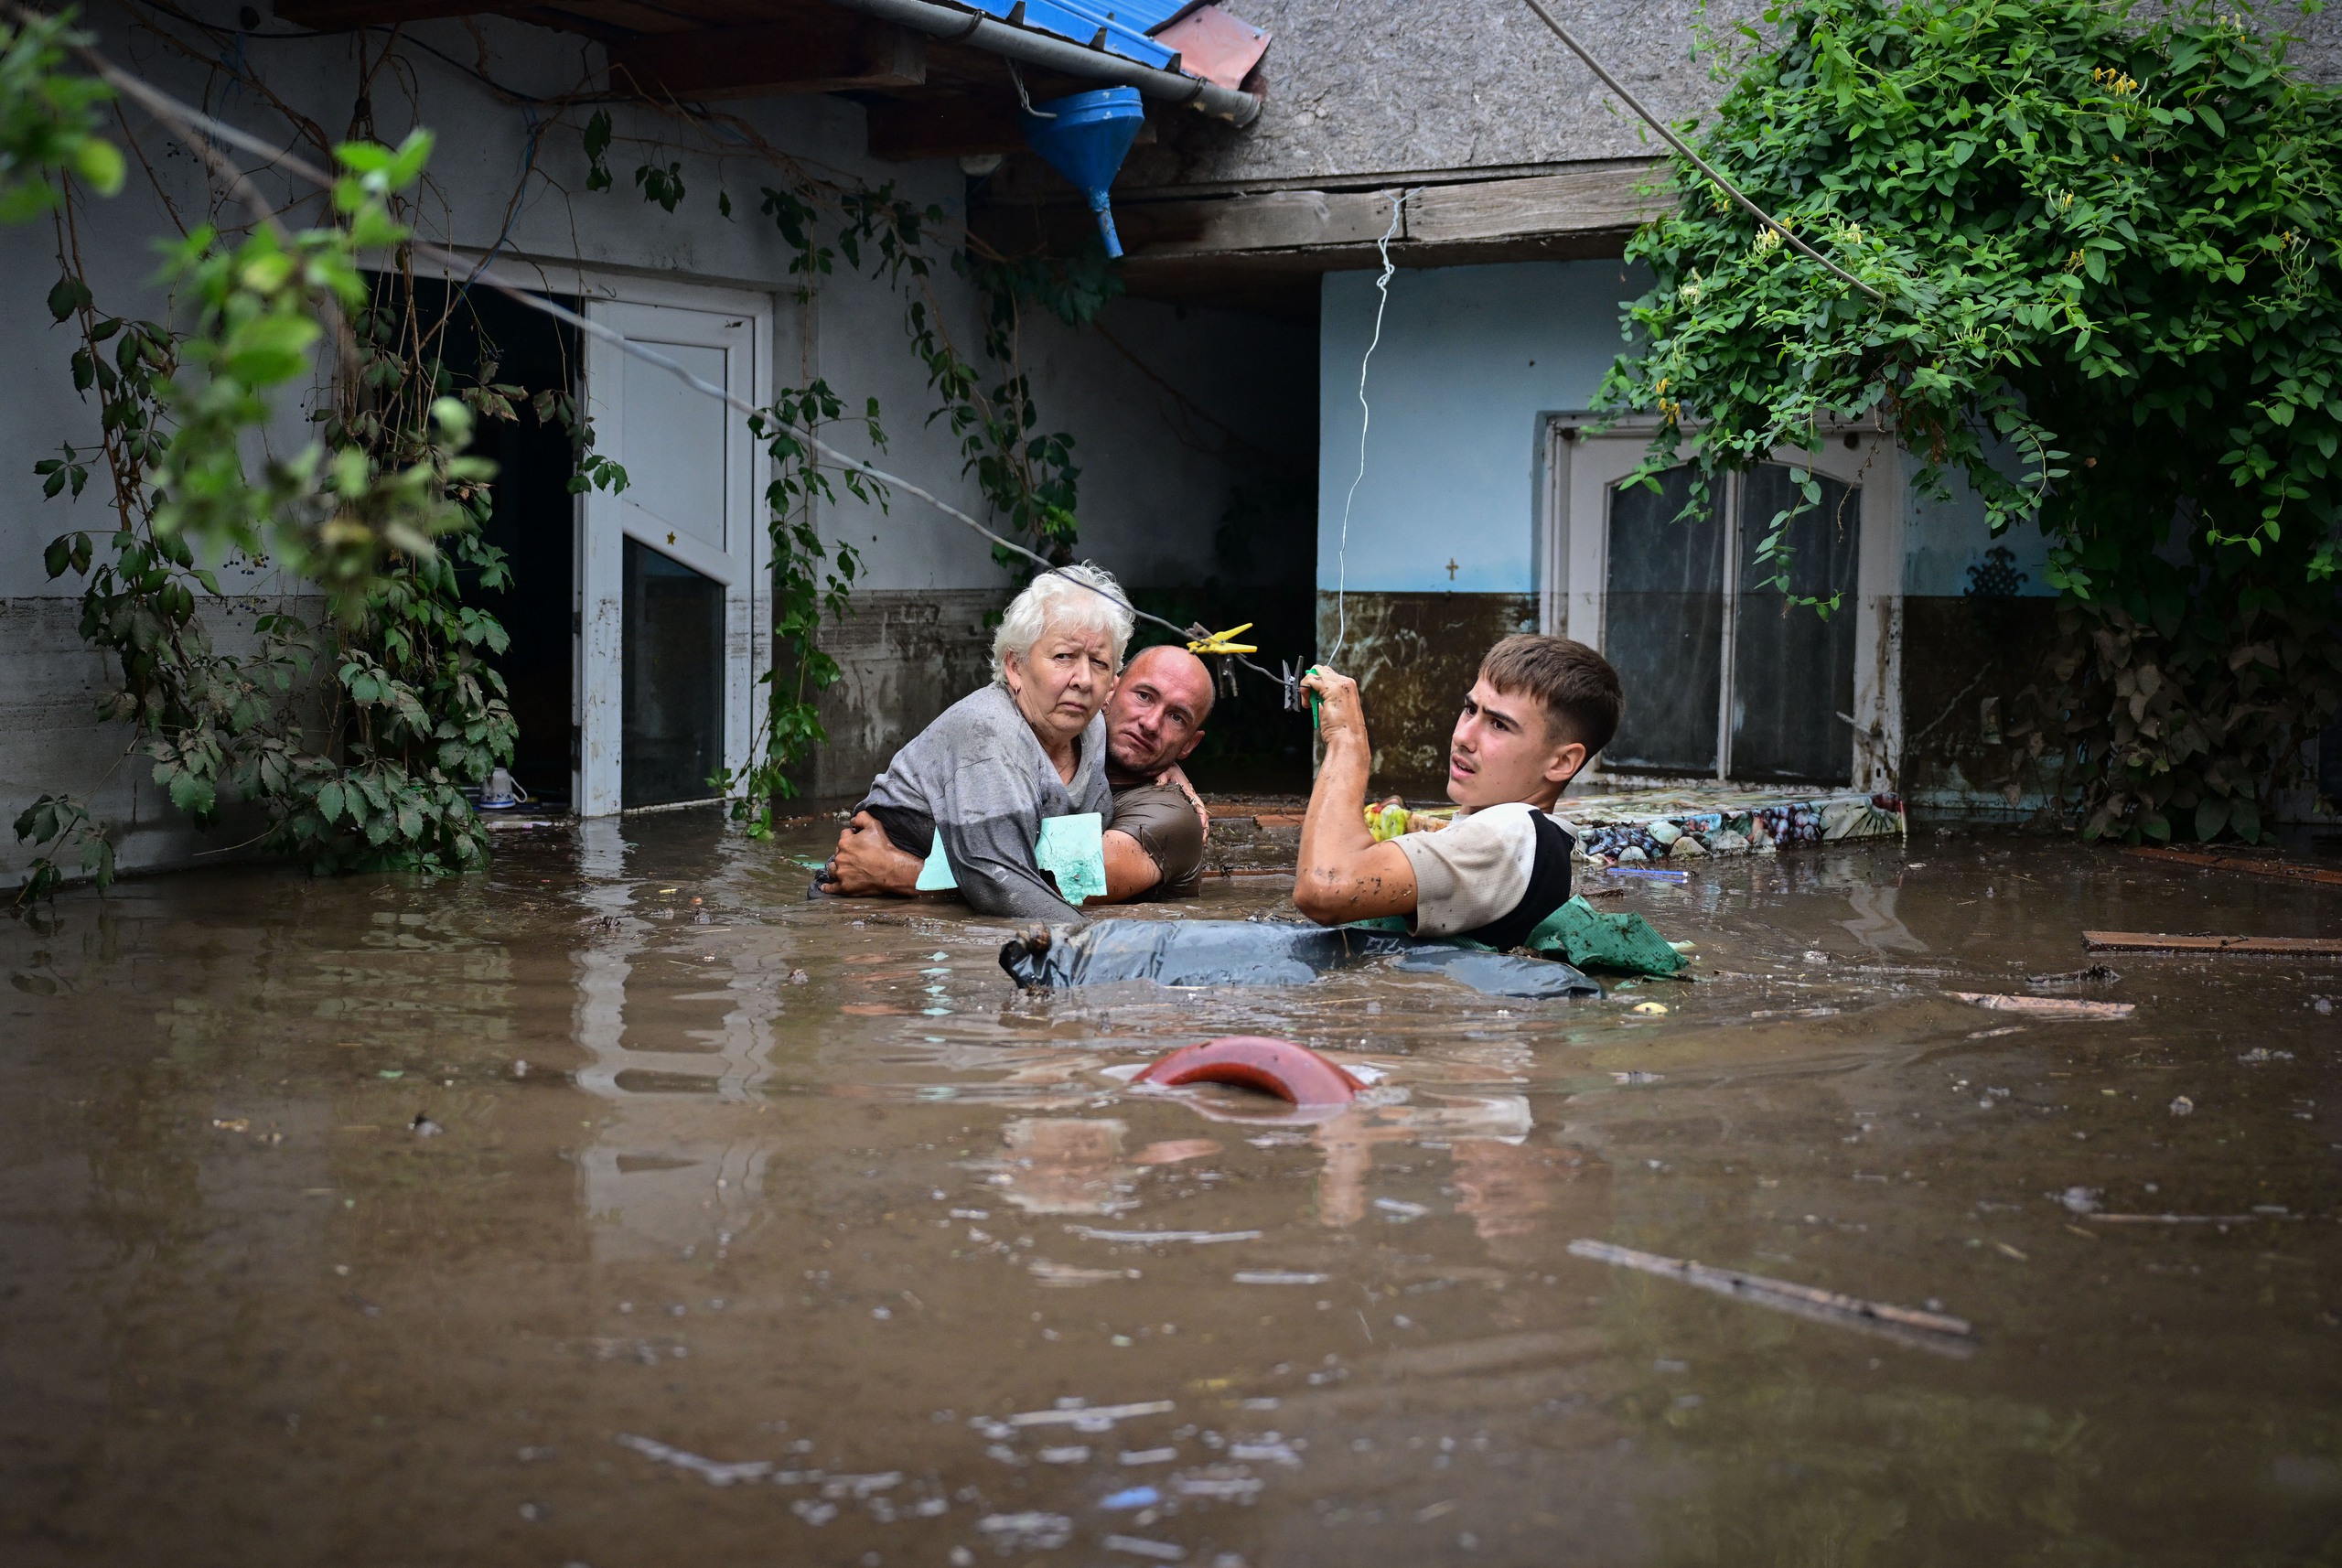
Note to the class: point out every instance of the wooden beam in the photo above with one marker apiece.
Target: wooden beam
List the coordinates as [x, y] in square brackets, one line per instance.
[365, 13]
[1437, 220]
[2153, 941]
[1574, 202]
[826, 50]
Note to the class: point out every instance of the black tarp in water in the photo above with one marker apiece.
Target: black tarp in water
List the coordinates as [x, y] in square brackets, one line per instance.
[1246, 953]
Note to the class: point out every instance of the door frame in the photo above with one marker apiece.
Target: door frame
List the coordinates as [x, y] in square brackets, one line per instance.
[605, 522]
[1587, 455]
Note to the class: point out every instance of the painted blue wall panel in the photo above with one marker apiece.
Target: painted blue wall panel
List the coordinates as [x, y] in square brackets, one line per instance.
[1471, 359]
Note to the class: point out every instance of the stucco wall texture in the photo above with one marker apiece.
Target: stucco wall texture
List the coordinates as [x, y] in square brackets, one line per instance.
[1361, 88]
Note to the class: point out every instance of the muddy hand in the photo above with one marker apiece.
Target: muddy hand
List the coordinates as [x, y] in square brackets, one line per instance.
[1176, 777]
[1339, 710]
[867, 860]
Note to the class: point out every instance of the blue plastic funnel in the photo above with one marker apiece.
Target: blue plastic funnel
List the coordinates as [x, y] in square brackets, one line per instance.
[1085, 137]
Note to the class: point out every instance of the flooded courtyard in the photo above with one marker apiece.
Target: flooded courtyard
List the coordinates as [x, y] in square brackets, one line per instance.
[617, 1206]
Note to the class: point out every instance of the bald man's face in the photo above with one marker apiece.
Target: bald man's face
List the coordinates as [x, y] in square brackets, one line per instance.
[1156, 714]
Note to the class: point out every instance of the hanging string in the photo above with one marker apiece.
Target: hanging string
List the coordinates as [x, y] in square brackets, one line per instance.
[1365, 418]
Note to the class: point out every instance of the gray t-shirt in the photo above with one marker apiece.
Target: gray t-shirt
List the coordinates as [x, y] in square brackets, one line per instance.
[978, 778]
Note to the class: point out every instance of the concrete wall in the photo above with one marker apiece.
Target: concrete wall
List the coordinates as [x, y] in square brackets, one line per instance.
[1150, 500]
[1362, 95]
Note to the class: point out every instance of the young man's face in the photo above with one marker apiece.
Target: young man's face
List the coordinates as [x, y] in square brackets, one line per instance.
[1503, 750]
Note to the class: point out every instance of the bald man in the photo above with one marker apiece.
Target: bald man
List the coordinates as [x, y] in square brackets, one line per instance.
[1154, 841]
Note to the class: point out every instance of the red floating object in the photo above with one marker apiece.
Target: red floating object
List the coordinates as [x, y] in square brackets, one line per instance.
[1294, 1074]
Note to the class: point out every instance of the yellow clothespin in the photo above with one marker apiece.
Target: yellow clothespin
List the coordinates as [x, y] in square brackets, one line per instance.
[1217, 642]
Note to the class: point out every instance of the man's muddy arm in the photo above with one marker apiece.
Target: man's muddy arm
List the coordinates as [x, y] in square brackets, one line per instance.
[867, 863]
[1343, 874]
[1130, 871]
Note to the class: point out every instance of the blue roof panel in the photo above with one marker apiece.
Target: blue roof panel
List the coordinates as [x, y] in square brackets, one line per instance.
[1126, 21]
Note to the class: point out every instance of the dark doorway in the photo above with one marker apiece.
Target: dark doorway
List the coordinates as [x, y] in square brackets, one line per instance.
[671, 725]
[534, 519]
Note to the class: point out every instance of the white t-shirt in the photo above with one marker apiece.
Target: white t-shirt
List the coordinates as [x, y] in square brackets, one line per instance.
[1474, 871]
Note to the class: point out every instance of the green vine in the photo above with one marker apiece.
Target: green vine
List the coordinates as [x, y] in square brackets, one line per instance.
[363, 765]
[2108, 252]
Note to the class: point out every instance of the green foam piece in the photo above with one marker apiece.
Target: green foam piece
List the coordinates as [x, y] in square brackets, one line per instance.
[1589, 939]
[935, 872]
[1073, 850]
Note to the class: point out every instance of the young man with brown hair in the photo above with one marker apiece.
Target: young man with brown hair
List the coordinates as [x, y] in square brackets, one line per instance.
[1541, 709]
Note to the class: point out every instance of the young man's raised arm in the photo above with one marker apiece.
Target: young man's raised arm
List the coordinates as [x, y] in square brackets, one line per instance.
[1343, 874]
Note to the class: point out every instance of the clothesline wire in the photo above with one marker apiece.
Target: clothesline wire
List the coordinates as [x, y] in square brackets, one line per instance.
[187, 121]
[1365, 418]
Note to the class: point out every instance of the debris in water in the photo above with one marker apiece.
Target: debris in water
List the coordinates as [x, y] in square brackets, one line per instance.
[1135, 1457]
[1161, 1550]
[2096, 974]
[2151, 941]
[1027, 1531]
[1649, 1009]
[2187, 1219]
[715, 1472]
[798, 977]
[1132, 1497]
[1279, 1277]
[1269, 1450]
[425, 1127]
[1401, 1210]
[1215, 1481]
[1150, 1238]
[1065, 1275]
[1929, 1330]
[2045, 1006]
[1076, 1454]
[1638, 1076]
[1294, 1073]
[2080, 1200]
[1089, 1418]
[2183, 1106]
[1173, 1151]
[520, 1069]
[2260, 1054]
[231, 1124]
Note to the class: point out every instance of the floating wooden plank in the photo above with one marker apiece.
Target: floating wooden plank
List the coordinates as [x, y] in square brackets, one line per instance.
[2154, 941]
[831, 51]
[2282, 870]
[1935, 1331]
[2045, 1006]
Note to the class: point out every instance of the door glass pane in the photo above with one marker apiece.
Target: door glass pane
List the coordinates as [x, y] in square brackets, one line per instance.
[671, 721]
[1792, 671]
[1663, 625]
[672, 443]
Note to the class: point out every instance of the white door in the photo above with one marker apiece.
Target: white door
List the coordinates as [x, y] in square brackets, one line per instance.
[670, 591]
[1724, 678]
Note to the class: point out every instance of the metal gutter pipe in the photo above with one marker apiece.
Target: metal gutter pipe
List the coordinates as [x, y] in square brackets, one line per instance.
[1058, 53]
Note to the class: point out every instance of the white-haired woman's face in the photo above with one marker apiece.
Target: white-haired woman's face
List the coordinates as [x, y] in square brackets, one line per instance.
[1062, 680]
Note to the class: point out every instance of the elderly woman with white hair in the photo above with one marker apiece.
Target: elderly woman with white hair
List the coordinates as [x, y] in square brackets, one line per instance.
[983, 778]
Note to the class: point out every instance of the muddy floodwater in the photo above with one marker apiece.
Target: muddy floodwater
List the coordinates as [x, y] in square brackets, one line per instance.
[618, 1207]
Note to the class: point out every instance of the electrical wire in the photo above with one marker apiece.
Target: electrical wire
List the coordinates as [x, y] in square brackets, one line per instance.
[1365, 418]
[1680, 146]
[186, 121]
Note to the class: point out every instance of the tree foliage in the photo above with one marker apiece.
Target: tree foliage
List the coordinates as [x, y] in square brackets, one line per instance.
[2107, 244]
